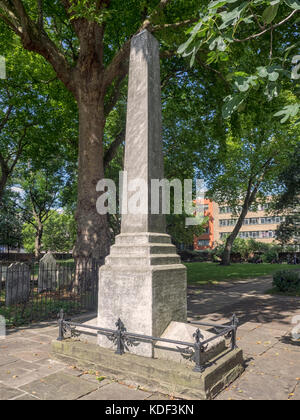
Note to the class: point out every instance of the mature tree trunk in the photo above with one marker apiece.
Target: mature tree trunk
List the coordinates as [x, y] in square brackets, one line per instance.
[250, 197]
[3, 182]
[89, 81]
[93, 236]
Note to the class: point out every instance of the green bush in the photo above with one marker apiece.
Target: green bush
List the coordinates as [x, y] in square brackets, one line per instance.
[286, 280]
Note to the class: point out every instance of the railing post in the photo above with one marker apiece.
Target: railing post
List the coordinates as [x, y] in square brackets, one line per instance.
[61, 325]
[119, 337]
[234, 324]
[198, 352]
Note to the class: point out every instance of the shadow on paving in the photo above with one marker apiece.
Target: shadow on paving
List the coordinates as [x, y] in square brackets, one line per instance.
[248, 307]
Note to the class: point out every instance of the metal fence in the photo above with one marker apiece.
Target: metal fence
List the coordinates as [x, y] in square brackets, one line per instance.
[32, 292]
[123, 340]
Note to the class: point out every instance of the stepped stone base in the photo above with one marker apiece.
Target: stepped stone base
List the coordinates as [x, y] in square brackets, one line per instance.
[181, 331]
[144, 284]
[154, 374]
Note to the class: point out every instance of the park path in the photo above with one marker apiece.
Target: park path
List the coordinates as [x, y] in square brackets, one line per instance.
[265, 325]
[27, 371]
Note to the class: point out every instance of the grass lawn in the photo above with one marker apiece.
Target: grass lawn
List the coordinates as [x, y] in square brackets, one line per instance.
[211, 273]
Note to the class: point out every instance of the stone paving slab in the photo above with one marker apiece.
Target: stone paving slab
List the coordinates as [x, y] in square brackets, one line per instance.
[59, 386]
[115, 391]
[277, 365]
[259, 386]
[27, 397]
[7, 393]
[272, 370]
[6, 359]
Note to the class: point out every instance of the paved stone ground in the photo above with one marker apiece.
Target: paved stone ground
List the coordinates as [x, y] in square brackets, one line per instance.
[272, 358]
[27, 371]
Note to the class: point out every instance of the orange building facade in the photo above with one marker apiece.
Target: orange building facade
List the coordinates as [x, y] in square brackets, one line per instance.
[257, 225]
[206, 240]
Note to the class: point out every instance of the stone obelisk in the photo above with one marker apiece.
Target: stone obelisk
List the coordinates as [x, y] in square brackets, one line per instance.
[143, 281]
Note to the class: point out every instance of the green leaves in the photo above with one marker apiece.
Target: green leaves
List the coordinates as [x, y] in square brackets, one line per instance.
[232, 102]
[271, 72]
[270, 13]
[231, 18]
[294, 4]
[88, 10]
[218, 42]
[289, 111]
[244, 83]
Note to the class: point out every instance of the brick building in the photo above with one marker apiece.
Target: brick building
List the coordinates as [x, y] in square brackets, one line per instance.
[257, 225]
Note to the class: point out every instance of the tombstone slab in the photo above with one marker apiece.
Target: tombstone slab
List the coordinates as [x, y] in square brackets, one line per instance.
[17, 284]
[143, 281]
[47, 279]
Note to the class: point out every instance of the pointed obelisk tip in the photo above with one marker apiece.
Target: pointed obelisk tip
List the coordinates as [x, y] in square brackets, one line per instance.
[145, 34]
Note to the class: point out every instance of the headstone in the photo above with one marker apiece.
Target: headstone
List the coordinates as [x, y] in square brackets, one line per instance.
[47, 279]
[3, 271]
[17, 284]
[143, 281]
[65, 276]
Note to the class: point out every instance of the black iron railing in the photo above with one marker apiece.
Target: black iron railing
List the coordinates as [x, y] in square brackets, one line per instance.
[35, 291]
[123, 339]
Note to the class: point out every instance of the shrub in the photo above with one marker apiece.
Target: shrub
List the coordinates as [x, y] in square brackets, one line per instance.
[272, 254]
[286, 280]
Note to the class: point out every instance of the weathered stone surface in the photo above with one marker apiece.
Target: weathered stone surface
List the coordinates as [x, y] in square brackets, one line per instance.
[145, 296]
[47, 279]
[17, 285]
[170, 378]
[143, 281]
[116, 392]
[65, 277]
[185, 331]
[143, 152]
[7, 393]
[3, 272]
[257, 386]
[59, 386]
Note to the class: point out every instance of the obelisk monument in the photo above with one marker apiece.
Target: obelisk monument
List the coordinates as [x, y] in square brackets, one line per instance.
[143, 281]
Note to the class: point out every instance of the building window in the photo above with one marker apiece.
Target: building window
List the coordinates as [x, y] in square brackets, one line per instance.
[203, 242]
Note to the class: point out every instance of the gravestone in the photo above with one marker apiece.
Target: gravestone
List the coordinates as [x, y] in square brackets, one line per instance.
[17, 284]
[143, 281]
[47, 279]
[3, 271]
[65, 276]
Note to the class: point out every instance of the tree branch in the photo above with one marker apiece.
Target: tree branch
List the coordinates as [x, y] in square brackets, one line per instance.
[111, 152]
[113, 69]
[218, 73]
[6, 117]
[41, 14]
[116, 94]
[36, 40]
[173, 25]
[267, 29]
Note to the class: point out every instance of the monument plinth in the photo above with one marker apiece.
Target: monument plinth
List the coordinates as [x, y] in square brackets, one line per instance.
[143, 281]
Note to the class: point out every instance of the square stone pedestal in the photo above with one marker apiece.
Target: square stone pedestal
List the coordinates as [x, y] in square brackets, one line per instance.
[144, 284]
